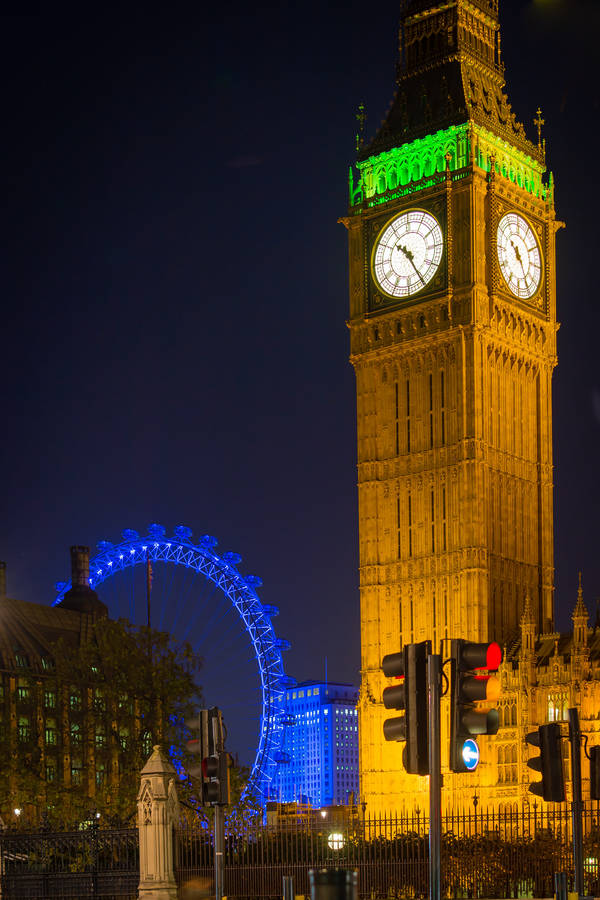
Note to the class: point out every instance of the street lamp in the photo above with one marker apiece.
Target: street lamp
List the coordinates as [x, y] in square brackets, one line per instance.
[335, 841]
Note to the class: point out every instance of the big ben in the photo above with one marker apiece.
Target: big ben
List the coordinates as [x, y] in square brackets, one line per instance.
[451, 230]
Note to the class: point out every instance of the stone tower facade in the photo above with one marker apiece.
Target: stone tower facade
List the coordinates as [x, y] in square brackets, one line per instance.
[451, 230]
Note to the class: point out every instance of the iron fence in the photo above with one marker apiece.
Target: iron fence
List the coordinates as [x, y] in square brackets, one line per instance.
[484, 854]
[90, 862]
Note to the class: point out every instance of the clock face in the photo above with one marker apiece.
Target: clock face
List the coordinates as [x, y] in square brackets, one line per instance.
[519, 256]
[407, 253]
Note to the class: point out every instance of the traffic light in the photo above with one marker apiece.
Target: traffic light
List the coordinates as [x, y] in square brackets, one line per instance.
[207, 742]
[468, 686]
[215, 770]
[595, 773]
[194, 746]
[552, 786]
[411, 696]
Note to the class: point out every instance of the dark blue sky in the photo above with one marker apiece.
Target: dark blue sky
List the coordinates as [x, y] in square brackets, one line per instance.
[174, 346]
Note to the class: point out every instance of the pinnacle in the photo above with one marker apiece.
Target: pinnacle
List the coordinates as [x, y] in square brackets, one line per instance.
[580, 610]
[527, 617]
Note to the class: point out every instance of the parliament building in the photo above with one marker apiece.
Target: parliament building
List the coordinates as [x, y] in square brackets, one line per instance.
[451, 227]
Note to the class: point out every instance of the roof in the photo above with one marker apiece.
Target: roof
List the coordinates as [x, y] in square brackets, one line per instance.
[31, 629]
[449, 73]
[559, 644]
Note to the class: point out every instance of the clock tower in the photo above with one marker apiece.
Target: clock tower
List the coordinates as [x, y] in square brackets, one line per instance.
[451, 230]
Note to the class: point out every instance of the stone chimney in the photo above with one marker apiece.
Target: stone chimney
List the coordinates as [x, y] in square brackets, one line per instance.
[81, 597]
[80, 566]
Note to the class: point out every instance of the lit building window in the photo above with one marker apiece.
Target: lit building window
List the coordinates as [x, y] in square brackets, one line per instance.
[76, 770]
[557, 706]
[50, 732]
[75, 701]
[24, 728]
[99, 701]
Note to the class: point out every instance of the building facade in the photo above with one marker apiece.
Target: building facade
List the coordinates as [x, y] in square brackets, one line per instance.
[451, 229]
[63, 745]
[319, 762]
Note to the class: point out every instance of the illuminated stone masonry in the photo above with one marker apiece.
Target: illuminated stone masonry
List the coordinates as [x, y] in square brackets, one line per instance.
[413, 167]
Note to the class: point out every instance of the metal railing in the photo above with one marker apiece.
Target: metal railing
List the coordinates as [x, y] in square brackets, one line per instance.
[90, 862]
[484, 854]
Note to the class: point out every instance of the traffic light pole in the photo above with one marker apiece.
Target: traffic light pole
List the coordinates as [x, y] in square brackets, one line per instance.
[576, 805]
[219, 849]
[435, 776]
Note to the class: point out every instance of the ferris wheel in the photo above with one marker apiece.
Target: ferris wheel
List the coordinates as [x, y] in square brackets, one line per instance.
[200, 596]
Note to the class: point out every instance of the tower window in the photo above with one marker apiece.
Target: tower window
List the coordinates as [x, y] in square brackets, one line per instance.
[397, 418]
[446, 613]
[410, 523]
[444, 518]
[434, 616]
[430, 409]
[442, 408]
[407, 416]
[432, 522]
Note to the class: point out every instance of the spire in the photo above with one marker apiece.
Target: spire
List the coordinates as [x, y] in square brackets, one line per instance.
[580, 618]
[580, 610]
[449, 72]
[528, 626]
[527, 617]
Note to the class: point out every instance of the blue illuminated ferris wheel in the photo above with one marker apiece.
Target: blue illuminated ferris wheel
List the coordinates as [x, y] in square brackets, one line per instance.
[201, 611]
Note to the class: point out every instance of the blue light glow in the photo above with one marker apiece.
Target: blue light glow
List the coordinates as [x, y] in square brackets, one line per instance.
[470, 754]
[256, 617]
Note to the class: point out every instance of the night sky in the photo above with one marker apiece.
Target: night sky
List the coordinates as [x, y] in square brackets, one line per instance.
[174, 346]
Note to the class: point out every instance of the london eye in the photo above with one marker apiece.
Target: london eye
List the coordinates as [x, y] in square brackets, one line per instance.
[201, 596]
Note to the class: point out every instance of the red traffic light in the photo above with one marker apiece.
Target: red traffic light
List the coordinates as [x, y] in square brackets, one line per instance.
[210, 766]
[479, 656]
[494, 656]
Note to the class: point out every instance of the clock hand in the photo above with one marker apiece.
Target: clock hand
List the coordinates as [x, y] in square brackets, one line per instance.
[410, 257]
[518, 255]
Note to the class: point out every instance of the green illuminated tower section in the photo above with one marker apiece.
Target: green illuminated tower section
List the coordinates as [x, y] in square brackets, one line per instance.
[451, 232]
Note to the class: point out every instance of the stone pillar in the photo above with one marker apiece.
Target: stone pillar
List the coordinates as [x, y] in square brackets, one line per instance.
[158, 810]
